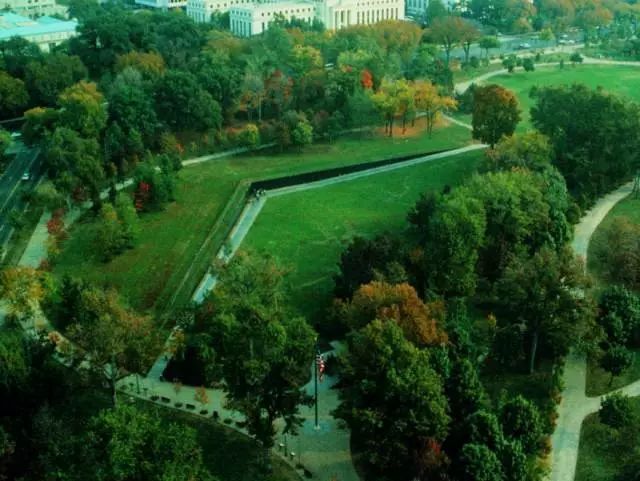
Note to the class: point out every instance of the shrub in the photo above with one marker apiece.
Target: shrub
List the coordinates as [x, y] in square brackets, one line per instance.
[616, 411]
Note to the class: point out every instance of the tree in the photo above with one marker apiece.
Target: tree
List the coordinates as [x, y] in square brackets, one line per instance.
[115, 340]
[23, 288]
[121, 442]
[13, 96]
[616, 360]
[448, 32]
[435, 9]
[542, 293]
[484, 428]
[83, 110]
[616, 411]
[521, 422]
[592, 135]
[465, 392]
[391, 397]
[365, 260]
[575, 58]
[5, 142]
[468, 35]
[619, 252]
[528, 65]
[619, 315]
[117, 228]
[182, 104]
[479, 463]
[487, 43]
[429, 101]
[264, 352]
[16, 53]
[302, 134]
[150, 64]
[75, 164]
[47, 78]
[530, 150]
[420, 322]
[153, 189]
[454, 235]
[495, 113]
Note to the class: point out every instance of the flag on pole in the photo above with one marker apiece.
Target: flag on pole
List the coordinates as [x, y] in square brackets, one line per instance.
[320, 365]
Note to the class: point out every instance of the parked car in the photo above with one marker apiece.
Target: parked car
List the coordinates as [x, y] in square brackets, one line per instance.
[26, 175]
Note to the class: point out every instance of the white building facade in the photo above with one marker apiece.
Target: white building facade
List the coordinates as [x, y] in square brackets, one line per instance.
[202, 10]
[46, 32]
[33, 8]
[253, 19]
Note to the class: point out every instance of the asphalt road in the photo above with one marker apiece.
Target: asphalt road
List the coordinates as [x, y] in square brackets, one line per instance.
[12, 186]
[510, 45]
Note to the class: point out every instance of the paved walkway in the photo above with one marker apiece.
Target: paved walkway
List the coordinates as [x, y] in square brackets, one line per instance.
[575, 404]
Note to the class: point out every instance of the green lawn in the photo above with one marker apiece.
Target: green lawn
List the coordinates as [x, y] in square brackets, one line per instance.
[622, 80]
[308, 230]
[149, 274]
[601, 449]
[599, 381]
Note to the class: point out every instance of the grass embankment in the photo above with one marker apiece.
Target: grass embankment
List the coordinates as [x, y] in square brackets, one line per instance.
[308, 230]
[617, 79]
[598, 380]
[149, 274]
[599, 456]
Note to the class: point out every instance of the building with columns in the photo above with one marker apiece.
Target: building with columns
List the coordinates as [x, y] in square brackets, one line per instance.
[254, 18]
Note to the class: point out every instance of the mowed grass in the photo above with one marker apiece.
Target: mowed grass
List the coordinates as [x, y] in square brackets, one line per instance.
[170, 239]
[622, 80]
[599, 455]
[307, 231]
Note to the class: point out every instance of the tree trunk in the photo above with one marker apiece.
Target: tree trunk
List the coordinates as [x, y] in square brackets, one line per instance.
[534, 349]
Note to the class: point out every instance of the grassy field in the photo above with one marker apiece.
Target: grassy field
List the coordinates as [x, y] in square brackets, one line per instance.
[599, 457]
[308, 230]
[148, 274]
[621, 80]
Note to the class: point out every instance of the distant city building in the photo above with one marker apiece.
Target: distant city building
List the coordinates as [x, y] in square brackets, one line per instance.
[254, 18]
[162, 4]
[32, 8]
[45, 31]
[417, 9]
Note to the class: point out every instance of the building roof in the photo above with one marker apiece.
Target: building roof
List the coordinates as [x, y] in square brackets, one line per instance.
[12, 25]
[270, 6]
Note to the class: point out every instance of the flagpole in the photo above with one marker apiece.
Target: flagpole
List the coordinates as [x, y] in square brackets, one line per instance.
[315, 381]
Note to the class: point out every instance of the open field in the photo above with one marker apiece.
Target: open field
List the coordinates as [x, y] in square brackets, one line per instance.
[307, 231]
[599, 457]
[617, 79]
[149, 274]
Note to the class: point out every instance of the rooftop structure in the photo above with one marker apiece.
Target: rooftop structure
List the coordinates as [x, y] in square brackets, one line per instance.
[45, 31]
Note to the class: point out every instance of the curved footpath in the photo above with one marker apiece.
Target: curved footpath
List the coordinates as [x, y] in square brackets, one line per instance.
[575, 404]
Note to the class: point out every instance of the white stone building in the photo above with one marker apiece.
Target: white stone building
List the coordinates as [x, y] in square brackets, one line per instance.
[32, 8]
[254, 18]
[201, 10]
[46, 32]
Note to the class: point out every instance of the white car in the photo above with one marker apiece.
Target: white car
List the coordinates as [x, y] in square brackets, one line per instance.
[26, 176]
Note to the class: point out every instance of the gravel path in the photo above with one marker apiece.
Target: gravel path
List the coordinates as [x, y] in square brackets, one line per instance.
[575, 404]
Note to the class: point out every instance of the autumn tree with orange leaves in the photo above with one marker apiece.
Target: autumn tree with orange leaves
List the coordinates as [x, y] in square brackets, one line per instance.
[429, 101]
[421, 323]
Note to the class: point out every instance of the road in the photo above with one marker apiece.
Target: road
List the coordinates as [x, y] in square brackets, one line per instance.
[12, 186]
[509, 45]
